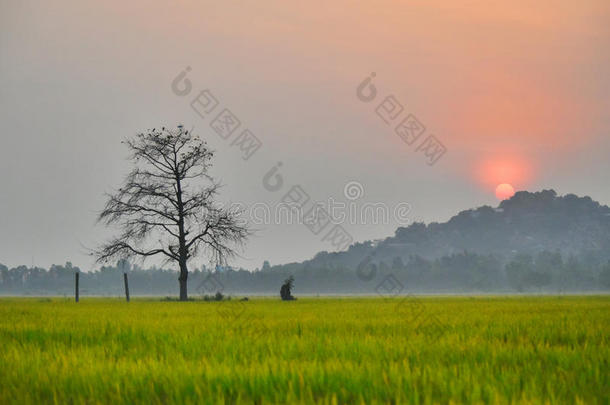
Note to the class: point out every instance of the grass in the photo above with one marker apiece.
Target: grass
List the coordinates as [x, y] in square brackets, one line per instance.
[444, 350]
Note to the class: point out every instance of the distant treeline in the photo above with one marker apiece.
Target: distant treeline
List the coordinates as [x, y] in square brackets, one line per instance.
[461, 272]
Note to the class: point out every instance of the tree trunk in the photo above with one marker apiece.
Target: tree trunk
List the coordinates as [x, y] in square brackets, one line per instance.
[182, 249]
[182, 280]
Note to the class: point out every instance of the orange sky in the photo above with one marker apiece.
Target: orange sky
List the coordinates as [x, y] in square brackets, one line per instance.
[516, 90]
[504, 84]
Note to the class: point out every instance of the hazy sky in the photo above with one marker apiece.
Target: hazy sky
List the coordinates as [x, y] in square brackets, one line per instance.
[517, 91]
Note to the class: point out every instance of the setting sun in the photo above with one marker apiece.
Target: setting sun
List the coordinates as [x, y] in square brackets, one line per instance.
[504, 191]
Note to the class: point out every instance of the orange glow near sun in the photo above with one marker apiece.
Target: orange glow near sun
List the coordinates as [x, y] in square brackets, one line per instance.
[503, 174]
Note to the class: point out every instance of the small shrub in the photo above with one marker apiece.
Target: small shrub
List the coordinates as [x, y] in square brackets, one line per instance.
[286, 290]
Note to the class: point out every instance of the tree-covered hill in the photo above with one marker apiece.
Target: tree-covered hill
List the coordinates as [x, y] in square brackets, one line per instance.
[528, 223]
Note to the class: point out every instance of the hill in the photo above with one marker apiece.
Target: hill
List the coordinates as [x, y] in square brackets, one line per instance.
[527, 223]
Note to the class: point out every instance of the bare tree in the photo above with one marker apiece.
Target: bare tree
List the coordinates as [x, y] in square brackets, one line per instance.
[167, 205]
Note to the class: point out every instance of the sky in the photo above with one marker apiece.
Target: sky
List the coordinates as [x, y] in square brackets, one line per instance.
[512, 92]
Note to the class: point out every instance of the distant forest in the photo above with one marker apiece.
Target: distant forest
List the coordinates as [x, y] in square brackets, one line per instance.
[462, 272]
[534, 242]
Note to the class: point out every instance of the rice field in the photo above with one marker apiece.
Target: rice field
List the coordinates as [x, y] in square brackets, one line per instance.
[496, 350]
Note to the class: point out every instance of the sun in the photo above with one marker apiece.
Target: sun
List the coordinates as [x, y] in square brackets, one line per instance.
[504, 191]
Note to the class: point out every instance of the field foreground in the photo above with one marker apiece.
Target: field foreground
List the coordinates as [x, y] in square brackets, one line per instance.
[357, 350]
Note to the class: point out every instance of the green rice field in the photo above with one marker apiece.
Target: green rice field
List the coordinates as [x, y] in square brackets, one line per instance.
[416, 350]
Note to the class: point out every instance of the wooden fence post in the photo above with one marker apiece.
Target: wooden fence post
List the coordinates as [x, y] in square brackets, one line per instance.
[76, 286]
[126, 286]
